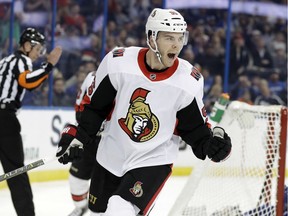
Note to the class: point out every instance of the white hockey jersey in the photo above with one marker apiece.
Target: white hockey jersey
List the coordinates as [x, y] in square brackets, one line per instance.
[143, 108]
[83, 89]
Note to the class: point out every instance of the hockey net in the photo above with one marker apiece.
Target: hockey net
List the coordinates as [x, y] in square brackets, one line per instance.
[251, 180]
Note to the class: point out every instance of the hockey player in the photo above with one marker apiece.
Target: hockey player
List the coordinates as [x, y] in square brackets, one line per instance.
[17, 75]
[80, 171]
[146, 95]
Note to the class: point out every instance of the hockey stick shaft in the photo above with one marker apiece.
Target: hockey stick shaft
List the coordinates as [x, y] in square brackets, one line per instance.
[26, 168]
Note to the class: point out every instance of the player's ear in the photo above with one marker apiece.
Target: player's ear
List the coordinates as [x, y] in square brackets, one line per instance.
[151, 42]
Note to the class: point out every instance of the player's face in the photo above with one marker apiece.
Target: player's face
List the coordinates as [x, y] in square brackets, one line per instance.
[36, 51]
[169, 45]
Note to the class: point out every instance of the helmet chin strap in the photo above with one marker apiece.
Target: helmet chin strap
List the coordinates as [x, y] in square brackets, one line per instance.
[156, 51]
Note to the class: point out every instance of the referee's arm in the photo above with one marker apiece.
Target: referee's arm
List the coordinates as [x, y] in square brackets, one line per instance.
[31, 80]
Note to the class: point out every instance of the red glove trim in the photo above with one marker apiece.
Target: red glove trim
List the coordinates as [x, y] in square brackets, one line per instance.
[70, 130]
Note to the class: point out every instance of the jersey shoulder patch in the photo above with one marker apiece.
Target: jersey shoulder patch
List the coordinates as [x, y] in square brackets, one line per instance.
[118, 52]
[195, 73]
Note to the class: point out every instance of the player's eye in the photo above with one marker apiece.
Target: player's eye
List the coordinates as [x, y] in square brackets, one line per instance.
[170, 38]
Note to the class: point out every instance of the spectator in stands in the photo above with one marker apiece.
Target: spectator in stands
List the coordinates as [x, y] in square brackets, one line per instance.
[280, 59]
[212, 96]
[278, 86]
[155, 4]
[217, 45]
[39, 97]
[62, 11]
[74, 88]
[74, 18]
[208, 79]
[246, 97]
[255, 86]
[267, 97]
[118, 14]
[33, 13]
[242, 85]
[121, 38]
[60, 97]
[5, 29]
[37, 5]
[111, 43]
[139, 10]
[72, 84]
[253, 36]
[239, 57]
[72, 45]
[279, 39]
[210, 24]
[266, 28]
[93, 50]
[72, 80]
[88, 9]
[262, 62]
[211, 59]
[112, 28]
[188, 54]
[198, 38]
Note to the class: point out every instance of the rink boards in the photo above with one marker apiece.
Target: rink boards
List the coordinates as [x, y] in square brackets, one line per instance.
[41, 132]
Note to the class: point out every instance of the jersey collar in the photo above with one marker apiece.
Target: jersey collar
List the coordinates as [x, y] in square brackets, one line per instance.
[154, 76]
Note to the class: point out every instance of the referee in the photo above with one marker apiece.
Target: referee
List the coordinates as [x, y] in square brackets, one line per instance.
[17, 75]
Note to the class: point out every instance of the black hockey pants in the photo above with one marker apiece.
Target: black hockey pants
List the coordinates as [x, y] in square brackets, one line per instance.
[11, 158]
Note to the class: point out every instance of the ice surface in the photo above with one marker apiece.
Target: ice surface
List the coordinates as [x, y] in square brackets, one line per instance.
[53, 198]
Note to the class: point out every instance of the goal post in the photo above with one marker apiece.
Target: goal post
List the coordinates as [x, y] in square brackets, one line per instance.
[251, 181]
[282, 160]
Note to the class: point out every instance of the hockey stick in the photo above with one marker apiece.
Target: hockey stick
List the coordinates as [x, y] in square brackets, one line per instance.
[26, 168]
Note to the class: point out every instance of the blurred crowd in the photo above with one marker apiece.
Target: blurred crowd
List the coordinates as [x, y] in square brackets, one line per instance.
[258, 46]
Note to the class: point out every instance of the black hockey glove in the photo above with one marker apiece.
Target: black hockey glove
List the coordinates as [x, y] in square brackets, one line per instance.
[70, 146]
[219, 146]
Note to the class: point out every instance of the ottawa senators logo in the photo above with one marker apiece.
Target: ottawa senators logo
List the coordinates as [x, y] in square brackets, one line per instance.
[140, 123]
[137, 190]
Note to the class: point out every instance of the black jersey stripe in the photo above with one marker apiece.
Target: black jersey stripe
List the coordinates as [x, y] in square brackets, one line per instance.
[14, 79]
[9, 89]
[7, 78]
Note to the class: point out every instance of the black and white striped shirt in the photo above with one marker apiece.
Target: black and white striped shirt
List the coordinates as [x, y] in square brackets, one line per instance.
[16, 75]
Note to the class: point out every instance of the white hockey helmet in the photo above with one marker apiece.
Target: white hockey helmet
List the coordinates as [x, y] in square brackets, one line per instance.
[167, 20]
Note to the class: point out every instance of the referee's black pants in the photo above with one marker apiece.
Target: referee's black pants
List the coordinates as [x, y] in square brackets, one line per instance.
[12, 157]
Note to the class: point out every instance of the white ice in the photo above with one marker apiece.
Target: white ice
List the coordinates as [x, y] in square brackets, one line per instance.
[53, 198]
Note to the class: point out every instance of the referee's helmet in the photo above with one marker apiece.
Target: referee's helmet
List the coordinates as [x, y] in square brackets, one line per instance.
[33, 36]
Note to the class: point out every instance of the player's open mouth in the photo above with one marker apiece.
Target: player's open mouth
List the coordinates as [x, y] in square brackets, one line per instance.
[171, 55]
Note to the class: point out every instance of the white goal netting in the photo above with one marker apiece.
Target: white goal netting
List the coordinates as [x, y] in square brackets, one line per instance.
[248, 181]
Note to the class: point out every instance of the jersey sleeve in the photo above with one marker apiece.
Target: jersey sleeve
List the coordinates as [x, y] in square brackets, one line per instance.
[30, 79]
[82, 97]
[83, 89]
[193, 126]
[101, 94]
